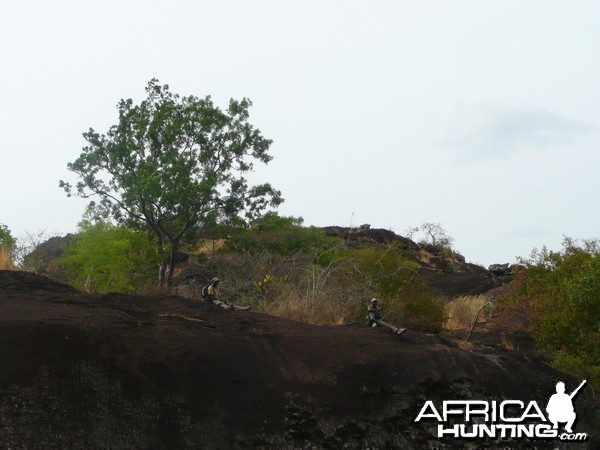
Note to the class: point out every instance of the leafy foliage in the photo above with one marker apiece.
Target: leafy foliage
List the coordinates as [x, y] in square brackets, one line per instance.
[7, 247]
[6, 238]
[285, 236]
[560, 293]
[385, 271]
[172, 163]
[288, 270]
[388, 273]
[106, 258]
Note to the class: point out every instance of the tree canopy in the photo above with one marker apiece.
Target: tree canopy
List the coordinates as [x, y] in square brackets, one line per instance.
[172, 163]
[6, 238]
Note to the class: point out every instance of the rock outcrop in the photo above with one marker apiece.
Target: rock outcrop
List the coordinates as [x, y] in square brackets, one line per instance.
[442, 269]
[366, 235]
[117, 371]
[41, 259]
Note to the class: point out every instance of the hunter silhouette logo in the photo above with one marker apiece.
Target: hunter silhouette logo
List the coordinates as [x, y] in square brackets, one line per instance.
[560, 407]
[507, 419]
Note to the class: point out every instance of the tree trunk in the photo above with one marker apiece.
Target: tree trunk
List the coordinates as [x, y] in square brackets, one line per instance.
[161, 275]
[172, 262]
[161, 266]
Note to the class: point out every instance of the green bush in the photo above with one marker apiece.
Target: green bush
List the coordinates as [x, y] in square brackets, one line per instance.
[284, 236]
[388, 273]
[425, 313]
[106, 258]
[560, 293]
[385, 270]
[6, 238]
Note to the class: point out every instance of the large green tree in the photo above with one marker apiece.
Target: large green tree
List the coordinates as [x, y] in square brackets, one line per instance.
[172, 163]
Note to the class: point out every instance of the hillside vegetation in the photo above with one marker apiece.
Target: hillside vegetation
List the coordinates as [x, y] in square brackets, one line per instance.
[276, 265]
[557, 295]
[327, 276]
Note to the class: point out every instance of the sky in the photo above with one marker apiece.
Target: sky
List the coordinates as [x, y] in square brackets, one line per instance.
[479, 115]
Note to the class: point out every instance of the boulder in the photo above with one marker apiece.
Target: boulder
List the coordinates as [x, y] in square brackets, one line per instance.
[139, 371]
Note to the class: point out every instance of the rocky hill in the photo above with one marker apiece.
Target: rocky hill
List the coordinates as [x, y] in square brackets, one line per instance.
[118, 371]
[445, 270]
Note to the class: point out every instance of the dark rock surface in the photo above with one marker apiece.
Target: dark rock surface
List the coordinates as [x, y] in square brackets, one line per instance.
[41, 259]
[367, 235]
[459, 283]
[117, 371]
[445, 271]
[27, 282]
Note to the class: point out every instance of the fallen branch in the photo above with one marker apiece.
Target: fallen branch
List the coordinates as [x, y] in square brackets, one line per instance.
[181, 316]
[474, 321]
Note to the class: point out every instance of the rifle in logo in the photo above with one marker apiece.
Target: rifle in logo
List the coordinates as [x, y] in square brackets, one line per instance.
[506, 419]
[560, 406]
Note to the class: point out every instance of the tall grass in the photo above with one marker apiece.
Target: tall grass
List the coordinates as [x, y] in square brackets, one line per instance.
[462, 311]
[6, 262]
[320, 309]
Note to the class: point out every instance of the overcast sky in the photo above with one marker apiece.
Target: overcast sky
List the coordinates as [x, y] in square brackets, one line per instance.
[480, 115]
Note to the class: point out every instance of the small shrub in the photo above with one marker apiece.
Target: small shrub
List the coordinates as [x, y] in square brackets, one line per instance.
[425, 314]
[285, 237]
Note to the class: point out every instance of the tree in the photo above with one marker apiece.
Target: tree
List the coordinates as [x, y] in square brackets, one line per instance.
[171, 164]
[6, 238]
[433, 234]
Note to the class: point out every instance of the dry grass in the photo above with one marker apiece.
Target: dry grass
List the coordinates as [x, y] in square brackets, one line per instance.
[5, 259]
[209, 247]
[464, 345]
[307, 308]
[462, 311]
[508, 344]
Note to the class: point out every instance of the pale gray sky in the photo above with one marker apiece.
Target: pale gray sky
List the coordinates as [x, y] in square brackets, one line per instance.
[480, 115]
